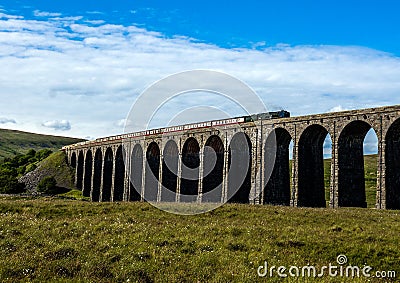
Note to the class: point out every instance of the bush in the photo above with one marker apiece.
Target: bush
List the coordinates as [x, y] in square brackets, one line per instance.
[9, 183]
[21, 170]
[43, 154]
[30, 168]
[48, 185]
[31, 153]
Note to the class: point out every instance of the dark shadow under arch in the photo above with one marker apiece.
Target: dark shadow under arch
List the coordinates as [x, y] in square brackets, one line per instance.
[213, 166]
[351, 175]
[152, 172]
[73, 160]
[119, 173]
[87, 178]
[190, 170]
[79, 171]
[107, 175]
[98, 164]
[311, 185]
[136, 173]
[239, 166]
[169, 172]
[277, 187]
[392, 162]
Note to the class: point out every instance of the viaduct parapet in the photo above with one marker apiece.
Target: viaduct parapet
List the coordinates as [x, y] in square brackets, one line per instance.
[102, 174]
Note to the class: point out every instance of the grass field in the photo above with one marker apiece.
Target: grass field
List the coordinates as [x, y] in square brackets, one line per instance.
[53, 240]
[13, 142]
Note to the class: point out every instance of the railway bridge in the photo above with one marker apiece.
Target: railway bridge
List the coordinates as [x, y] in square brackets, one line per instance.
[133, 167]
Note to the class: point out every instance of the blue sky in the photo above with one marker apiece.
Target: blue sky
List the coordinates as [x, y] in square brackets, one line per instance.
[369, 23]
[74, 67]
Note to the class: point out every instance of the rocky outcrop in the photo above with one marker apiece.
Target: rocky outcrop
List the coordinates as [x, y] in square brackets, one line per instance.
[56, 166]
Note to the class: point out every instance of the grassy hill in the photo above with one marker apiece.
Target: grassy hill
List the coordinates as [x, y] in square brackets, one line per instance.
[50, 240]
[16, 142]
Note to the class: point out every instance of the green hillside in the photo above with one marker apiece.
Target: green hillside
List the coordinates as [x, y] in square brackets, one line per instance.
[16, 142]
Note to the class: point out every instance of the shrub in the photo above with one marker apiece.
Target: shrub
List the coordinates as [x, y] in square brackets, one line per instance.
[43, 154]
[48, 185]
[30, 168]
[31, 153]
[21, 170]
[9, 183]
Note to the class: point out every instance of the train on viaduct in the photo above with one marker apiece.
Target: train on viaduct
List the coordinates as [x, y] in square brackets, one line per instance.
[132, 167]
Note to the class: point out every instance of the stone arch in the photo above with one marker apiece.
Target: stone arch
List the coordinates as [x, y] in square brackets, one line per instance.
[79, 171]
[351, 175]
[311, 185]
[73, 160]
[239, 166]
[119, 175]
[87, 178]
[97, 173]
[392, 163]
[190, 170]
[277, 187]
[136, 173]
[152, 172]
[169, 171]
[213, 166]
[107, 175]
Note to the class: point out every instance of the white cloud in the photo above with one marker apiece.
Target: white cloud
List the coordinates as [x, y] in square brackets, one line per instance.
[62, 125]
[5, 16]
[95, 22]
[256, 45]
[337, 108]
[7, 121]
[120, 123]
[91, 75]
[38, 13]
[371, 143]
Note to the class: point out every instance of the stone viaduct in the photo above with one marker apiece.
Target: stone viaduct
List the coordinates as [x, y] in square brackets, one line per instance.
[101, 172]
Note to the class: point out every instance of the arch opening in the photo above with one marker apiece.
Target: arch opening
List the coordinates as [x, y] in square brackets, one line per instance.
[98, 164]
[392, 162]
[190, 170]
[370, 148]
[135, 185]
[239, 166]
[79, 171]
[277, 186]
[169, 172]
[119, 173]
[311, 184]
[87, 178]
[213, 164]
[351, 173]
[107, 175]
[152, 172]
[73, 160]
[327, 149]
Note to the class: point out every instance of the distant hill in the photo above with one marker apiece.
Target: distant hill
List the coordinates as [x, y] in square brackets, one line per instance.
[16, 142]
